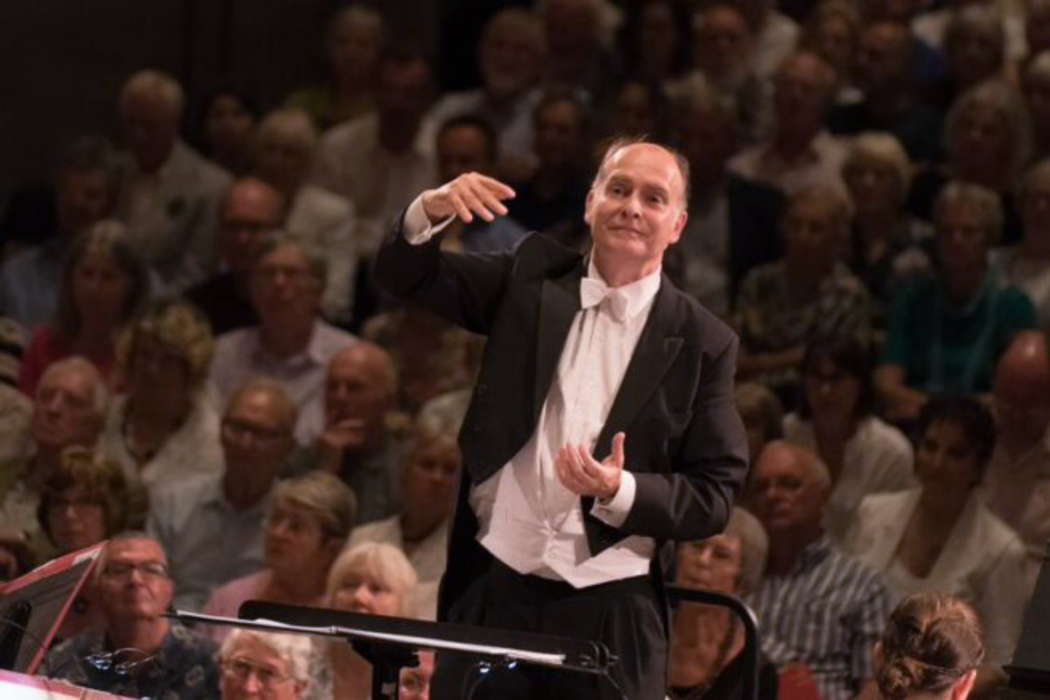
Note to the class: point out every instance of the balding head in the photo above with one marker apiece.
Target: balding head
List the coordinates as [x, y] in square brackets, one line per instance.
[790, 487]
[70, 406]
[250, 210]
[151, 104]
[1022, 389]
[360, 389]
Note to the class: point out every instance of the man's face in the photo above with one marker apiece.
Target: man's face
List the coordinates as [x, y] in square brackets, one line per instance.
[721, 42]
[254, 670]
[84, 198]
[134, 583]
[402, 89]
[814, 238]
[284, 290]
[510, 61]
[64, 412]
[460, 150]
[151, 127]
[256, 437]
[353, 47]
[559, 134]
[961, 240]
[882, 57]
[636, 208]
[786, 495]
[355, 388]
[248, 212]
[801, 93]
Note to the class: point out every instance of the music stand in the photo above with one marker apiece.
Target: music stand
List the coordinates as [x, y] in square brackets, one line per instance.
[35, 604]
[391, 643]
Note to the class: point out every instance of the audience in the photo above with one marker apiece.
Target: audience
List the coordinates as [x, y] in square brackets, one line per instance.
[762, 414]
[835, 420]
[310, 517]
[292, 343]
[1035, 87]
[250, 210]
[287, 143]
[103, 283]
[1016, 484]
[948, 328]
[163, 429]
[941, 537]
[707, 640]
[576, 58]
[228, 133]
[369, 579]
[169, 193]
[212, 526]
[85, 192]
[258, 664]
[818, 607]
[1026, 265]
[138, 652]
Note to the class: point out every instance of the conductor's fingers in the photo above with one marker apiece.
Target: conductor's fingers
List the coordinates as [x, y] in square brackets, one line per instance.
[470, 198]
[617, 449]
[498, 189]
[462, 211]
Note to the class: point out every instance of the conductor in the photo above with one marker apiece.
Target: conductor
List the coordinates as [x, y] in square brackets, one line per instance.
[601, 428]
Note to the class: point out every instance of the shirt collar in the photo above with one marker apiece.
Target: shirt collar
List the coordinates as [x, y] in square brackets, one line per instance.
[639, 294]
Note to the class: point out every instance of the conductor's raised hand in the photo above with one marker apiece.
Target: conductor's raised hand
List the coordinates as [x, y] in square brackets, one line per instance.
[582, 474]
[469, 195]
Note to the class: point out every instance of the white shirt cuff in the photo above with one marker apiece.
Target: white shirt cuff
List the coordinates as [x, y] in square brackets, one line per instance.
[619, 506]
[416, 227]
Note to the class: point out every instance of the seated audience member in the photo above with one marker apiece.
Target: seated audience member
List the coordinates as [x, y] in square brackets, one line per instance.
[352, 43]
[359, 443]
[886, 246]
[818, 607]
[85, 501]
[551, 200]
[986, 137]
[941, 537]
[170, 193]
[309, 520]
[974, 49]
[932, 26]
[577, 59]
[103, 284]
[84, 194]
[138, 652]
[468, 144]
[380, 160]
[69, 409]
[886, 60]
[762, 414]
[450, 365]
[1016, 483]
[835, 419]
[292, 343]
[638, 109]
[948, 328]
[732, 225]
[510, 59]
[832, 29]
[800, 153]
[258, 664]
[250, 210]
[1026, 265]
[776, 35]
[706, 640]
[164, 429]
[931, 648]
[429, 478]
[808, 294]
[287, 144]
[370, 579]
[653, 40]
[212, 526]
[1035, 87]
[228, 130]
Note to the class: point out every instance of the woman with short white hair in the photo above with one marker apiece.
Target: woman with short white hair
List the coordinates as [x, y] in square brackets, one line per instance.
[264, 664]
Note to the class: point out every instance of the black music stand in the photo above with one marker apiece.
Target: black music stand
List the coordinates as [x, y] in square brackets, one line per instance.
[391, 643]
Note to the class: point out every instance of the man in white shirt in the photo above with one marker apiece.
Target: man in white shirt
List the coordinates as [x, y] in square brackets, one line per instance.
[599, 356]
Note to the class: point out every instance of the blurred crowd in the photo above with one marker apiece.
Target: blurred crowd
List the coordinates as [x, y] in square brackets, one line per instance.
[196, 364]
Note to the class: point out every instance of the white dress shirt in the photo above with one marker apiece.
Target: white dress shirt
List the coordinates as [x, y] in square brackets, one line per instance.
[528, 519]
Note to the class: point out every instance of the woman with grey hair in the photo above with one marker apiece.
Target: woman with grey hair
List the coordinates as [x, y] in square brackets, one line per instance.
[285, 145]
[257, 664]
[707, 640]
[947, 329]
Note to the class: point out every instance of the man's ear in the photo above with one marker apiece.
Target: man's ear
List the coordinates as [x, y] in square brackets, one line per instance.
[588, 203]
[679, 225]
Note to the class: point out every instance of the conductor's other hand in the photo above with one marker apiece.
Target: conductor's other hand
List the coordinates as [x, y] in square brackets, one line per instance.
[468, 195]
[582, 474]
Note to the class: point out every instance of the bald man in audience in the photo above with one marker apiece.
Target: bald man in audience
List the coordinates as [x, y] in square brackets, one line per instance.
[250, 210]
[1017, 483]
[818, 607]
[170, 193]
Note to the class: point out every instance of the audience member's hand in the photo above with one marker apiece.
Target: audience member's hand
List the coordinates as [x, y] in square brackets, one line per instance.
[467, 195]
[347, 435]
[582, 474]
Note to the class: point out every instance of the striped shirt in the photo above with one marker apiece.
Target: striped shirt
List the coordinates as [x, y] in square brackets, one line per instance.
[827, 613]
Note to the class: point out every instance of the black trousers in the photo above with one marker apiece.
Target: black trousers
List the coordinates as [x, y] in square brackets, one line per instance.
[625, 615]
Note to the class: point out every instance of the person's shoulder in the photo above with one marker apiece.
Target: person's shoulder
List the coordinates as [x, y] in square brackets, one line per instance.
[998, 538]
[386, 530]
[349, 133]
[187, 494]
[321, 202]
[199, 170]
[881, 433]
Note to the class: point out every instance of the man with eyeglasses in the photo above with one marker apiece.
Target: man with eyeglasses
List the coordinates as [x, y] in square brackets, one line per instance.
[138, 652]
[264, 665]
[212, 526]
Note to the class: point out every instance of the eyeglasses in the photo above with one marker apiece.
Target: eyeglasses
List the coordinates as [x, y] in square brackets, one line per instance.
[239, 429]
[149, 569]
[241, 670]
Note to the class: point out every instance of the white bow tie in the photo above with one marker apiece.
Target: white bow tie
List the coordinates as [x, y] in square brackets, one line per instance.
[593, 292]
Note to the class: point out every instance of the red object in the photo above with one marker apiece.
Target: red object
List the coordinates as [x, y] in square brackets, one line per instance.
[796, 682]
